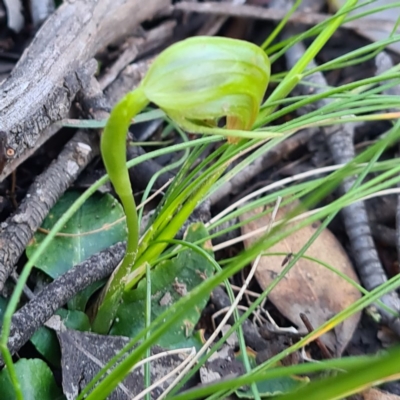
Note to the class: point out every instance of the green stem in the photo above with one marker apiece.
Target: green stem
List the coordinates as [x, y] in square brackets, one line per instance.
[113, 151]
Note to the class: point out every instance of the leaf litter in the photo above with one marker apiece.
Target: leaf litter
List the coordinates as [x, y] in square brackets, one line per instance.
[308, 288]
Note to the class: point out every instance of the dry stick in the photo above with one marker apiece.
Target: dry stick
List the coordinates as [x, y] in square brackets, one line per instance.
[153, 39]
[277, 13]
[18, 229]
[213, 24]
[340, 142]
[39, 310]
[324, 350]
[44, 83]
[383, 63]
[47, 188]
[128, 79]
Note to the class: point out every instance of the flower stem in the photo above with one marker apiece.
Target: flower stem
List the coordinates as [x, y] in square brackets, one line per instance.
[113, 151]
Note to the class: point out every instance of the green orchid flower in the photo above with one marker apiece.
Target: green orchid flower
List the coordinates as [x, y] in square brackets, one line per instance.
[196, 82]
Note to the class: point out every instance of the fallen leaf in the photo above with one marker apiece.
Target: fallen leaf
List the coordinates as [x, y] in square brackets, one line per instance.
[376, 394]
[309, 287]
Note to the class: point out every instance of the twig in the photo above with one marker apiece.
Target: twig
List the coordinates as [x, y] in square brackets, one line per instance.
[384, 63]
[277, 14]
[324, 350]
[136, 46]
[35, 313]
[215, 23]
[18, 229]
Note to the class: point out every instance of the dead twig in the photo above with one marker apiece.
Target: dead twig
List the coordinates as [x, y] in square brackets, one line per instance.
[277, 14]
[18, 230]
[136, 46]
[384, 63]
[324, 350]
[34, 314]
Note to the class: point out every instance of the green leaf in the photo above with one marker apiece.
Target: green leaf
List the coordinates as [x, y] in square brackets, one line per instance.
[36, 380]
[46, 343]
[98, 214]
[170, 280]
[371, 371]
[65, 252]
[45, 339]
[96, 124]
[76, 320]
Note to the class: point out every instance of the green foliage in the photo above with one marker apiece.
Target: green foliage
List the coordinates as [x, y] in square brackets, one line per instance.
[170, 280]
[374, 371]
[97, 225]
[353, 101]
[228, 79]
[37, 381]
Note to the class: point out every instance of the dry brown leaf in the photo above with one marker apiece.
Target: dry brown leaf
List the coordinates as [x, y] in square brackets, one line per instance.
[309, 287]
[376, 394]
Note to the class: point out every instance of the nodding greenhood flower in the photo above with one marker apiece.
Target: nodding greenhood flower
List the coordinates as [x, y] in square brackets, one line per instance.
[202, 79]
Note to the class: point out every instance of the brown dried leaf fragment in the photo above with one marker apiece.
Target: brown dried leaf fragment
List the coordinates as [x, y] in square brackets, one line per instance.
[309, 287]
